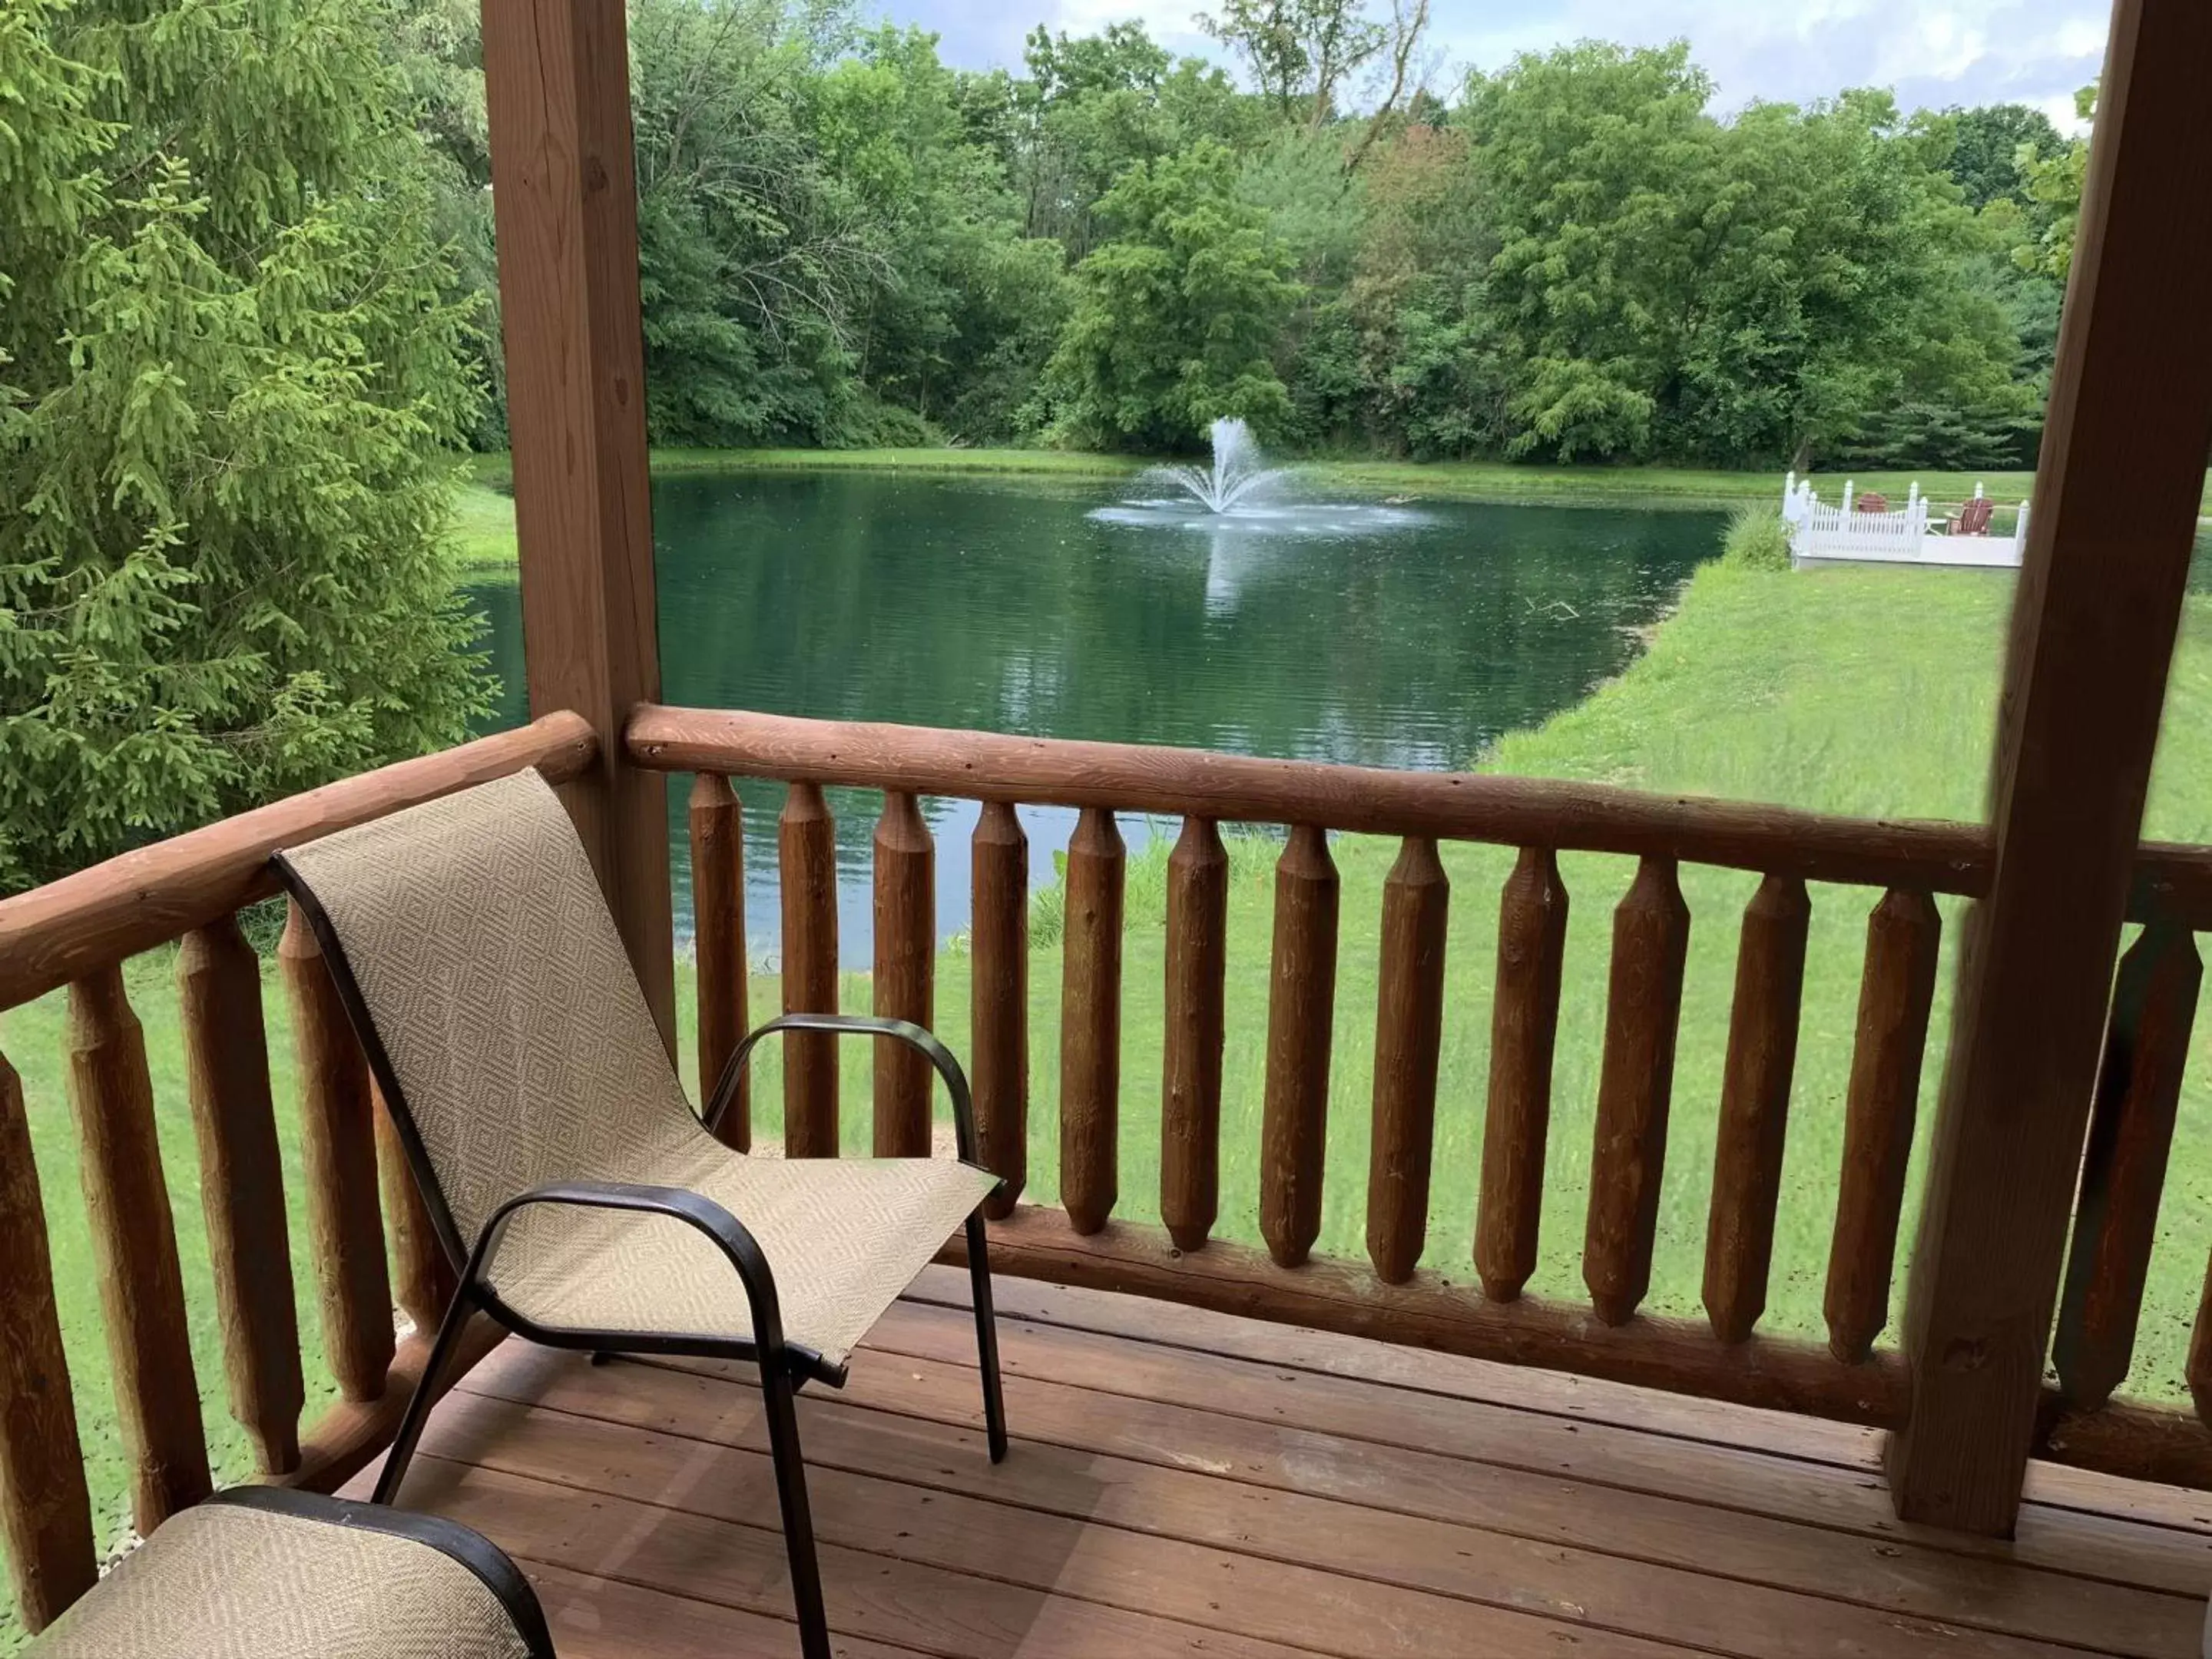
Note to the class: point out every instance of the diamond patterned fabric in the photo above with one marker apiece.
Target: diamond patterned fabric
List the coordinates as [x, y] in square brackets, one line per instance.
[522, 1042]
[220, 1581]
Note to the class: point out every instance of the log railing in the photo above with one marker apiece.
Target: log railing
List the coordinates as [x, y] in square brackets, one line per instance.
[1724, 1356]
[78, 932]
[370, 1245]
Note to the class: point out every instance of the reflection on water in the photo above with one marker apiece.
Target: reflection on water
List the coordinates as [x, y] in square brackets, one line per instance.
[1385, 636]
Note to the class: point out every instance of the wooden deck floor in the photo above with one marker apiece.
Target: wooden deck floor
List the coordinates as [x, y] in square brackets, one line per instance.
[1183, 1483]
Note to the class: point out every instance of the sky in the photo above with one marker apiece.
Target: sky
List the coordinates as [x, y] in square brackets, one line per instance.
[1932, 53]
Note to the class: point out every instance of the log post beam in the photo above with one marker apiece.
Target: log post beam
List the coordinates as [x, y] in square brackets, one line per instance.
[2117, 488]
[557, 85]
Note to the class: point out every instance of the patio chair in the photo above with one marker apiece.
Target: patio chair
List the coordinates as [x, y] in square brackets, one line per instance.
[260, 1572]
[1972, 518]
[582, 1202]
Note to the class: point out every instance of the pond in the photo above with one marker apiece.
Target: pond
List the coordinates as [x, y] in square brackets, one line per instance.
[1408, 638]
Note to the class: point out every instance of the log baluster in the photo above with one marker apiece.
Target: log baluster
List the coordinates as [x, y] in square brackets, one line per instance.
[2199, 1368]
[1524, 1025]
[1301, 1011]
[134, 1236]
[1410, 1037]
[2123, 1171]
[905, 976]
[46, 1511]
[422, 1276]
[806, 857]
[1197, 963]
[1636, 1084]
[1091, 1022]
[337, 1147]
[1896, 992]
[1762, 1057]
[242, 1187]
[718, 925]
[1409, 1025]
[998, 1010]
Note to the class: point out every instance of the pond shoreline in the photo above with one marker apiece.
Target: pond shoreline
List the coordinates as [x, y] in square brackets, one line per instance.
[486, 514]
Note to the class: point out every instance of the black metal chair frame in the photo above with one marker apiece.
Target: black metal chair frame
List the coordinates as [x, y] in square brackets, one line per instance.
[785, 1367]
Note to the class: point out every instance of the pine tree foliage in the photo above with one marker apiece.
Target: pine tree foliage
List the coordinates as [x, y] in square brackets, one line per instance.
[230, 372]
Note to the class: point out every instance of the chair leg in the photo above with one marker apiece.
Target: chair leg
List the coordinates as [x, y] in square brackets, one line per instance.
[798, 1518]
[987, 1337]
[426, 1394]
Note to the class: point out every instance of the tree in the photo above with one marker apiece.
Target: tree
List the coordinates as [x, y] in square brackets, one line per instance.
[227, 370]
[1178, 312]
[1668, 284]
[2055, 178]
[1299, 51]
[1985, 149]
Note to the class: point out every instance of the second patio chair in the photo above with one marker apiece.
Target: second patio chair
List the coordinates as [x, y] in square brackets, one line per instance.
[582, 1202]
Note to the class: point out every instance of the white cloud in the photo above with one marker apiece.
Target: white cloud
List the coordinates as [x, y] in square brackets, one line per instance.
[1934, 53]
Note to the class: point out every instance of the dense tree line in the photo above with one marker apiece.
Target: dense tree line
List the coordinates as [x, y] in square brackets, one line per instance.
[1578, 257]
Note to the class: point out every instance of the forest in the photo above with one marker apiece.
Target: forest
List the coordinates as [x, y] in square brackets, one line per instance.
[1582, 256]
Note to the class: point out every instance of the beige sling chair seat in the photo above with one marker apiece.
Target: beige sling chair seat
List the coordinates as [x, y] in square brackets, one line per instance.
[263, 1573]
[583, 1201]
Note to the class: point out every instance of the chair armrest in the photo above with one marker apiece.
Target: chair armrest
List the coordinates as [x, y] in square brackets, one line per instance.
[903, 1031]
[729, 1235]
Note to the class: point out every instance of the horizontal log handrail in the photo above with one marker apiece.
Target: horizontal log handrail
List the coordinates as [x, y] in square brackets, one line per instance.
[94, 918]
[1122, 777]
[1927, 855]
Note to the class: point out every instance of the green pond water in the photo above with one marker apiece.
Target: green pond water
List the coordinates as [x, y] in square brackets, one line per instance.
[1409, 636]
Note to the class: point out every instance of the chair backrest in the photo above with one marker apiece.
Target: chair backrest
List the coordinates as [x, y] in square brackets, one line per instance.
[500, 1010]
[1974, 517]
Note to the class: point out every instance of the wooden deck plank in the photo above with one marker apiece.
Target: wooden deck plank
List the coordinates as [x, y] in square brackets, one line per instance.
[1595, 1453]
[1204, 1495]
[876, 1598]
[1085, 1557]
[1188, 1483]
[594, 1617]
[1523, 1388]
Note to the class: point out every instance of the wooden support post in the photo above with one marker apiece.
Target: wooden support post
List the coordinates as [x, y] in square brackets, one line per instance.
[1409, 1028]
[906, 973]
[999, 1001]
[1301, 1022]
[242, 1188]
[1762, 1057]
[806, 859]
[1524, 1026]
[1896, 991]
[1190, 1081]
[45, 1512]
[1091, 1022]
[718, 925]
[141, 1290]
[337, 1147]
[564, 201]
[2118, 488]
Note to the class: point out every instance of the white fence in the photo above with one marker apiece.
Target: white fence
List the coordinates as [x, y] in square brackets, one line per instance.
[1821, 533]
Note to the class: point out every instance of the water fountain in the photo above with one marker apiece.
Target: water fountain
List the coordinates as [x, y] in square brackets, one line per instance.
[1243, 506]
[1239, 471]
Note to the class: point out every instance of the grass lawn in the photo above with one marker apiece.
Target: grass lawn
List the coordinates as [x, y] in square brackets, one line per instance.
[1869, 692]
